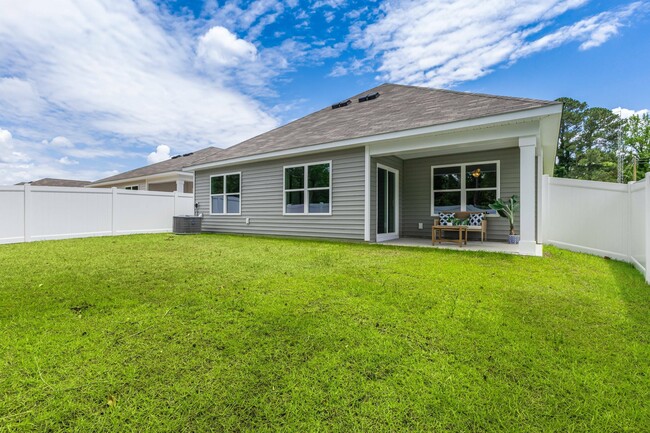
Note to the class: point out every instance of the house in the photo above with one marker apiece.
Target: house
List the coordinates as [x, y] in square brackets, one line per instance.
[381, 164]
[48, 181]
[166, 176]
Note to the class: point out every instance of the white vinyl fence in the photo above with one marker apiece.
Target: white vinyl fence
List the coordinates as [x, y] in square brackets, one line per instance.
[34, 213]
[601, 218]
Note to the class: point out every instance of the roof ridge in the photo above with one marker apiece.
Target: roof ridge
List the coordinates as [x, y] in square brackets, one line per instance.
[485, 95]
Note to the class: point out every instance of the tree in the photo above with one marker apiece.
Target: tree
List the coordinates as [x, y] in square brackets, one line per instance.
[573, 114]
[588, 143]
[636, 136]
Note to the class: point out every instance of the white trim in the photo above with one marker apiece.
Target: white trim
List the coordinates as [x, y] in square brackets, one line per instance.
[225, 194]
[527, 179]
[516, 116]
[169, 174]
[306, 189]
[366, 195]
[463, 186]
[381, 237]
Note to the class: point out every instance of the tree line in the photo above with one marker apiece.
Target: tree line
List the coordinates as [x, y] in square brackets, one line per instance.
[593, 139]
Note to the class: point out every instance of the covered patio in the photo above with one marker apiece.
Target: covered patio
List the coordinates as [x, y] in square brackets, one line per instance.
[412, 179]
[487, 246]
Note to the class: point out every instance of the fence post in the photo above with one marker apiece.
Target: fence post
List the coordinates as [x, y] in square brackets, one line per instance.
[629, 222]
[27, 213]
[175, 202]
[545, 208]
[113, 210]
[646, 218]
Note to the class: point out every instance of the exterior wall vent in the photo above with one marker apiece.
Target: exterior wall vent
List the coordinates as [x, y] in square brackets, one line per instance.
[341, 104]
[369, 97]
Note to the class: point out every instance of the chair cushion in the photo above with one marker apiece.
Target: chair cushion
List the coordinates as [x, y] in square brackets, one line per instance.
[447, 218]
[475, 219]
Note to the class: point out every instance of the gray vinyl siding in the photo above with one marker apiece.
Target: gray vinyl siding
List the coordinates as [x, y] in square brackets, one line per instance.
[262, 199]
[416, 197]
[163, 186]
[392, 162]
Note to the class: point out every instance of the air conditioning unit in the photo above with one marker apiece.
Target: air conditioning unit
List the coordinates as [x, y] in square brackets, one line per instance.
[187, 224]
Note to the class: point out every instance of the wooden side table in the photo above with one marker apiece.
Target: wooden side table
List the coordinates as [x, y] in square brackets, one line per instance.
[437, 230]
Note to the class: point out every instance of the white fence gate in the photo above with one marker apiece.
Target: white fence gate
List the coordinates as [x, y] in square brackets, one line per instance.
[33, 213]
[601, 218]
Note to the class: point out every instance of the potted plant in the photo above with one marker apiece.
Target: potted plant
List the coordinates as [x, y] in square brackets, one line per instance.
[508, 209]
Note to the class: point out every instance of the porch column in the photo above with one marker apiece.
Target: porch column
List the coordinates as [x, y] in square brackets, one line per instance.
[527, 243]
[180, 186]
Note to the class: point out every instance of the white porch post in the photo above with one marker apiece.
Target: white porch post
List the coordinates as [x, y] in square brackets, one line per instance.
[180, 186]
[527, 243]
[366, 199]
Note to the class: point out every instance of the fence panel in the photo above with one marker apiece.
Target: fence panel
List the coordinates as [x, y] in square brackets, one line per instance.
[601, 218]
[143, 211]
[60, 213]
[637, 225]
[588, 216]
[40, 213]
[12, 214]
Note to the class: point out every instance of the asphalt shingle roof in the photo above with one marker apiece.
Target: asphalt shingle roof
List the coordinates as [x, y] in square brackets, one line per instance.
[48, 181]
[398, 108]
[170, 165]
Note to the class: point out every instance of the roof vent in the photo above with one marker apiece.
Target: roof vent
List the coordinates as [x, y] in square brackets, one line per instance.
[176, 156]
[188, 154]
[369, 97]
[341, 104]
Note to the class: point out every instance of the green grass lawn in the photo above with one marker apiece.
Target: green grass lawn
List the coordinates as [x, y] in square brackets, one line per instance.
[231, 333]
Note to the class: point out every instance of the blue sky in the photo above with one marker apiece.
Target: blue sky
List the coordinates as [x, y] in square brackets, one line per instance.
[95, 87]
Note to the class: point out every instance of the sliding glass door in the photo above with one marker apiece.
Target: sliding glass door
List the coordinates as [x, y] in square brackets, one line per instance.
[387, 203]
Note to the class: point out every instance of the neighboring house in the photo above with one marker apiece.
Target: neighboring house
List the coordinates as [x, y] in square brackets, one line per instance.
[166, 176]
[380, 165]
[48, 181]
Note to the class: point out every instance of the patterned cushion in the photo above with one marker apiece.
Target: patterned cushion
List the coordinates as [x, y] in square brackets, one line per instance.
[475, 219]
[447, 218]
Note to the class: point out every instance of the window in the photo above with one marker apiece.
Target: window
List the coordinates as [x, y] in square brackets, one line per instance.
[464, 187]
[132, 188]
[307, 189]
[225, 194]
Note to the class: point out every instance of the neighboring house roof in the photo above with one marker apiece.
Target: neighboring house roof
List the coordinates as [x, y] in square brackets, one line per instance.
[176, 163]
[48, 181]
[397, 108]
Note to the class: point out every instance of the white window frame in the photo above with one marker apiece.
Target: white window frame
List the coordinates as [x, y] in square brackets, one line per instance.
[305, 189]
[225, 194]
[463, 188]
[382, 237]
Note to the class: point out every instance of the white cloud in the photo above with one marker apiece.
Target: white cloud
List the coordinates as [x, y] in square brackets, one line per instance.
[161, 154]
[626, 113]
[221, 48]
[19, 98]
[356, 13]
[252, 17]
[5, 137]
[59, 142]
[350, 67]
[114, 68]
[335, 4]
[67, 161]
[22, 161]
[8, 153]
[441, 43]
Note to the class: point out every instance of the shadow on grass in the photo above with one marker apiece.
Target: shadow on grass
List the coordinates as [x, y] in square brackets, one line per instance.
[634, 290]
